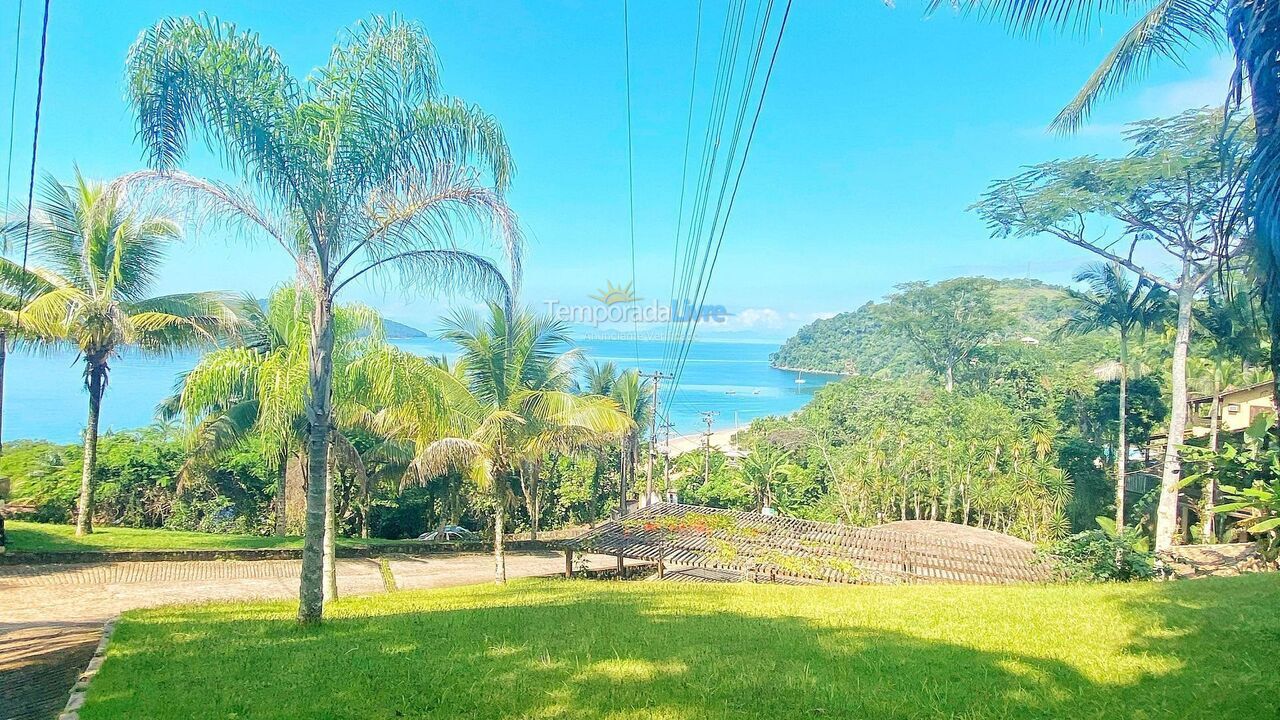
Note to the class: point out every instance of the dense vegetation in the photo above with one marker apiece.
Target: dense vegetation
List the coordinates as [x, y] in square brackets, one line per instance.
[855, 343]
[584, 649]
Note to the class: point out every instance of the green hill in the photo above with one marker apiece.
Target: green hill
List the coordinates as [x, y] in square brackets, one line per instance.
[851, 342]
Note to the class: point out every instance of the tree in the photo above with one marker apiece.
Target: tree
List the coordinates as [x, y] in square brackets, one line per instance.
[258, 389]
[101, 259]
[1235, 343]
[633, 395]
[375, 168]
[598, 378]
[512, 405]
[1113, 302]
[762, 468]
[1168, 29]
[945, 322]
[1180, 192]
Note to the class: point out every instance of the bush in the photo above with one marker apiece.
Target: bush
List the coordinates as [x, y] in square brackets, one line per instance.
[1104, 556]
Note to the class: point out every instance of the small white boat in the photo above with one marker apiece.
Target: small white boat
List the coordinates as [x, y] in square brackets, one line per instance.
[799, 379]
[757, 392]
[735, 392]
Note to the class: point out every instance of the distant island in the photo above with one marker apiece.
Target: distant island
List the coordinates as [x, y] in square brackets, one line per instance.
[400, 331]
[851, 342]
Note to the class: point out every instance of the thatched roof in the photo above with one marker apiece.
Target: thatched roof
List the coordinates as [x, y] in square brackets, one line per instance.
[778, 548]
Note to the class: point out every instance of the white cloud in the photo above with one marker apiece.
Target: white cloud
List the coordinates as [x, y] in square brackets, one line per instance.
[763, 320]
[1207, 88]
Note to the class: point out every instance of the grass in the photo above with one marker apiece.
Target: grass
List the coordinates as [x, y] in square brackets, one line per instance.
[45, 537]
[583, 649]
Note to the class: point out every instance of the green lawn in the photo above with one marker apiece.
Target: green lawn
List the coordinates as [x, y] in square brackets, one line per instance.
[44, 537]
[641, 651]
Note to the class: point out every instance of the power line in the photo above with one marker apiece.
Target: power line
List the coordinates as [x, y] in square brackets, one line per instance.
[35, 146]
[631, 189]
[13, 107]
[712, 131]
[684, 174]
[720, 220]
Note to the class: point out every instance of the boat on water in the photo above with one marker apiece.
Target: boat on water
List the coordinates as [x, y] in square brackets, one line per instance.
[799, 378]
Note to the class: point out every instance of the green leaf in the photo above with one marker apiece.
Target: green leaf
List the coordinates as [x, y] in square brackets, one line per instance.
[1107, 524]
[1265, 525]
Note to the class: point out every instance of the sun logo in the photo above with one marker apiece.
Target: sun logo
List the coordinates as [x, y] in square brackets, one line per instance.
[614, 294]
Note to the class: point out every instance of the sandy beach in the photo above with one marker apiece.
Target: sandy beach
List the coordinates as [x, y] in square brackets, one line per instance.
[720, 440]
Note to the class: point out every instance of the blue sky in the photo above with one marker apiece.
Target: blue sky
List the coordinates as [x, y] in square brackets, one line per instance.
[880, 128]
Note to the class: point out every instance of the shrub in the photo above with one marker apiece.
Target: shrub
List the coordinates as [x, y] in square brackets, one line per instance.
[1103, 555]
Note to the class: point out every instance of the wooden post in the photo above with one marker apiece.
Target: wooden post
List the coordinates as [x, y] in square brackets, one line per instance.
[568, 562]
[662, 568]
[619, 567]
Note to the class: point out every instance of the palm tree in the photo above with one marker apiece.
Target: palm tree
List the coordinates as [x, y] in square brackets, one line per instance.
[101, 258]
[631, 392]
[257, 392]
[1115, 303]
[597, 379]
[1170, 29]
[512, 405]
[1230, 326]
[761, 469]
[376, 168]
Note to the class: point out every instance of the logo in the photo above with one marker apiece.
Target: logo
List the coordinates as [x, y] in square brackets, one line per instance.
[612, 295]
[619, 304]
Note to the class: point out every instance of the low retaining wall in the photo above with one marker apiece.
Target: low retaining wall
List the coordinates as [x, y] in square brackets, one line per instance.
[407, 548]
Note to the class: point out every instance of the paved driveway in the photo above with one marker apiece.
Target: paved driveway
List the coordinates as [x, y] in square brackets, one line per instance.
[51, 616]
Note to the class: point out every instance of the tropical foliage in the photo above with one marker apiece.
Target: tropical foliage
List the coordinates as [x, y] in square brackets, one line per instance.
[366, 170]
[509, 408]
[99, 259]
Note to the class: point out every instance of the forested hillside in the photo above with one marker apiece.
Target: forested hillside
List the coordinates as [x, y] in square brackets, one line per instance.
[852, 342]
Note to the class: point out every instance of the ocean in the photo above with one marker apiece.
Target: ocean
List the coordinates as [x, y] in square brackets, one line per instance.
[45, 397]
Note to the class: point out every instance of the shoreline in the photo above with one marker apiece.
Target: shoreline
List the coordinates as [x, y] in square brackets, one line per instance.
[835, 373]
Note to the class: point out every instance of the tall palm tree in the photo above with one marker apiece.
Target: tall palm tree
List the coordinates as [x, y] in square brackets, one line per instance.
[1169, 30]
[376, 168]
[632, 394]
[761, 469]
[101, 258]
[597, 378]
[512, 405]
[1113, 302]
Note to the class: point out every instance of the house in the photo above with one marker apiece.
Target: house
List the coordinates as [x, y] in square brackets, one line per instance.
[1238, 407]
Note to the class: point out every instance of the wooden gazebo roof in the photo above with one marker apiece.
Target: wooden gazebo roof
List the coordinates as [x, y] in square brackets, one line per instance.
[788, 549]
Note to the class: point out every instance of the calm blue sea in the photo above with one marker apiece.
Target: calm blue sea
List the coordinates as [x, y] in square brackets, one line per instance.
[45, 398]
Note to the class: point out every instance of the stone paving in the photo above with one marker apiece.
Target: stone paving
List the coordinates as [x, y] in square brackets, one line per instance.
[51, 616]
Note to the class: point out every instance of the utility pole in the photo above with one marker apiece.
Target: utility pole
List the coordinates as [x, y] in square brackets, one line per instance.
[655, 378]
[708, 417]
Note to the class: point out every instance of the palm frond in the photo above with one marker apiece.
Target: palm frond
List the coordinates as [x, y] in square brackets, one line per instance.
[1168, 31]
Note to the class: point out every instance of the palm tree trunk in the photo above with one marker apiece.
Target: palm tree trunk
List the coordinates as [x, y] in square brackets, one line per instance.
[329, 570]
[499, 513]
[1167, 510]
[951, 379]
[319, 412]
[1122, 439]
[281, 496]
[96, 383]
